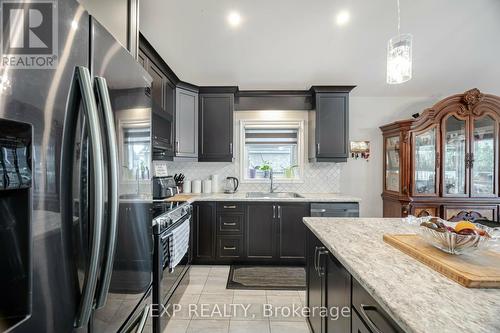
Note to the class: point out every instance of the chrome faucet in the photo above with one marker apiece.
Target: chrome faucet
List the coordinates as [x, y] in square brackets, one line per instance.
[271, 177]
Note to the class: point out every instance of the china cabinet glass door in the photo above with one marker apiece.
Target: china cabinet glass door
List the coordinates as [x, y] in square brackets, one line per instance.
[482, 161]
[424, 176]
[392, 166]
[454, 157]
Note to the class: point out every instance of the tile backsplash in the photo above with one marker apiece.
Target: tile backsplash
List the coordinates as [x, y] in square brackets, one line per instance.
[318, 177]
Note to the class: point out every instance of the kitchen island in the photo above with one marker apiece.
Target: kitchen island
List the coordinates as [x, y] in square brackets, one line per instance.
[416, 297]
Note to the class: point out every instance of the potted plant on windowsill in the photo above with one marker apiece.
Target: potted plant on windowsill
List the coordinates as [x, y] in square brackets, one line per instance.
[290, 171]
[266, 168]
[252, 172]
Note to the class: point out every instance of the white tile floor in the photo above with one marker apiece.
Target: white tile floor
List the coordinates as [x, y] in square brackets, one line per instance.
[207, 286]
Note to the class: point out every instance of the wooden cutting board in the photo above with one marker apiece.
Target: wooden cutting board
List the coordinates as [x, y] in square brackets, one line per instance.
[476, 270]
[181, 197]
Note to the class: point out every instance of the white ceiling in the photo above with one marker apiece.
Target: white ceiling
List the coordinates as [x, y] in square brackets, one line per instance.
[293, 44]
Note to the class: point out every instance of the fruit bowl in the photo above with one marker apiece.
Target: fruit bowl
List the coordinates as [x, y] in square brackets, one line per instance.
[446, 239]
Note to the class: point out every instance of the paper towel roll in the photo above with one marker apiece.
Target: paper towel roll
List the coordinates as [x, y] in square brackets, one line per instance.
[196, 186]
[215, 184]
[187, 187]
[207, 186]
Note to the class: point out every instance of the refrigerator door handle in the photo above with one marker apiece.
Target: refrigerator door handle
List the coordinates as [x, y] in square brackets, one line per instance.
[81, 91]
[102, 94]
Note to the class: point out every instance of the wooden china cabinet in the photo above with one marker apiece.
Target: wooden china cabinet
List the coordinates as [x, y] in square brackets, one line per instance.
[445, 162]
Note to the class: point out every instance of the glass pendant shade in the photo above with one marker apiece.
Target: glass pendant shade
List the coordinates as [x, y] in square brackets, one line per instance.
[399, 59]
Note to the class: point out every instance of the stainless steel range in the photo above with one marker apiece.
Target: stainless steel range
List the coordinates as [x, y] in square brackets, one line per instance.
[172, 256]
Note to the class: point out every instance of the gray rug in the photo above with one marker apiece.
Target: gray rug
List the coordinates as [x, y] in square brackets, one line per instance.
[267, 277]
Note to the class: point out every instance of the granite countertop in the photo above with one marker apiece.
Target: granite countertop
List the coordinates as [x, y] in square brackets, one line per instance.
[241, 196]
[418, 298]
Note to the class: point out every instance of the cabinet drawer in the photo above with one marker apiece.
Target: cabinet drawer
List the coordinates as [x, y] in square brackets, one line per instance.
[230, 223]
[229, 247]
[230, 207]
[357, 324]
[370, 311]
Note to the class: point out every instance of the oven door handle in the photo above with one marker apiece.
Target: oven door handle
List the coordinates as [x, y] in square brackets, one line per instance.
[142, 322]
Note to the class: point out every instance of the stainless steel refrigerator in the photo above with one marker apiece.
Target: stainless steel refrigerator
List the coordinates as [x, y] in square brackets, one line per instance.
[79, 227]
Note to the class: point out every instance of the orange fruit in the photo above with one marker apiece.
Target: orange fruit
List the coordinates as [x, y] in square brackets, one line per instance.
[464, 225]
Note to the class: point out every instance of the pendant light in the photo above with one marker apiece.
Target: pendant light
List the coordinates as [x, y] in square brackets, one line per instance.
[399, 62]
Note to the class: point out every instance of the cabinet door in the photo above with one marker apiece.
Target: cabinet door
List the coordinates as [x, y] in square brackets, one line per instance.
[455, 150]
[261, 231]
[357, 324]
[186, 124]
[216, 128]
[292, 231]
[204, 231]
[338, 296]
[157, 86]
[314, 296]
[483, 161]
[332, 126]
[392, 164]
[425, 156]
[470, 213]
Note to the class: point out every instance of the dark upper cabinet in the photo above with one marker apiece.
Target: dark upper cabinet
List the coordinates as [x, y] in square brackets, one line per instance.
[186, 123]
[291, 230]
[260, 231]
[204, 215]
[329, 124]
[163, 97]
[215, 126]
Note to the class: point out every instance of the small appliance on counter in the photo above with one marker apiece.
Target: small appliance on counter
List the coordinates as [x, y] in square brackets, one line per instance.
[231, 185]
[164, 187]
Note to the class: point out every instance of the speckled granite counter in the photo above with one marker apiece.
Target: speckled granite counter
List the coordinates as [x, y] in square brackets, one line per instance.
[306, 197]
[418, 298]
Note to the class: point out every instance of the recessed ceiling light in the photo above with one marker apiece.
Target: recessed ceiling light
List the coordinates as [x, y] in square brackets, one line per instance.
[343, 17]
[234, 19]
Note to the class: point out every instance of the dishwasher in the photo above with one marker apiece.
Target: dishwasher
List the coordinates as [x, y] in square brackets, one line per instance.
[337, 209]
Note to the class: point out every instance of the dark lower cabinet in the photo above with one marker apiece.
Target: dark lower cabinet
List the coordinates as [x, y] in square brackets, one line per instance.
[291, 230]
[258, 232]
[204, 231]
[315, 284]
[331, 286]
[261, 231]
[328, 286]
[338, 296]
[370, 312]
[357, 324]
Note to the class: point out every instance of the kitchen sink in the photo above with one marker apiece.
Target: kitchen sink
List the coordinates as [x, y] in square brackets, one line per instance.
[268, 195]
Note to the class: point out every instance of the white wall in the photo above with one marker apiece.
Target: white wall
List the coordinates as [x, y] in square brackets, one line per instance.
[112, 14]
[359, 177]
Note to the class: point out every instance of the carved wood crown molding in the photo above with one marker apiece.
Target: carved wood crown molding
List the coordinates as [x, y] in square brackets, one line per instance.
[471, 102]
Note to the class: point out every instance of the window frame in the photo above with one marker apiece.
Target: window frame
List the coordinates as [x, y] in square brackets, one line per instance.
[272, 124]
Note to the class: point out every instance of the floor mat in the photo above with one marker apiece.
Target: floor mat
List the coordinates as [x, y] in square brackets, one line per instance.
[267, 277]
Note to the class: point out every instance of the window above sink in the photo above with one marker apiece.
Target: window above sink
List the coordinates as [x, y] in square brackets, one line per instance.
[276, 145]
